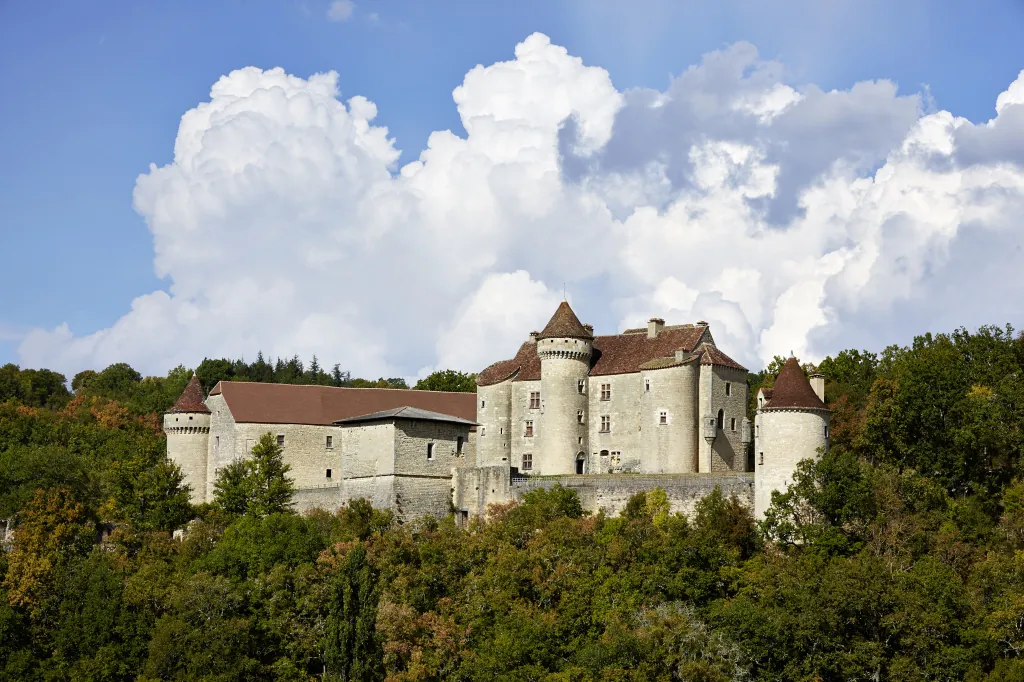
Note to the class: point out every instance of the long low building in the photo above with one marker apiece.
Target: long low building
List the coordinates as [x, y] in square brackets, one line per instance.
[391, 446]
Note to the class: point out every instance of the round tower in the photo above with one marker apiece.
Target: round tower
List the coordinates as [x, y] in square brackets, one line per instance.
[187, 426]
[564, 347]
[790, 425]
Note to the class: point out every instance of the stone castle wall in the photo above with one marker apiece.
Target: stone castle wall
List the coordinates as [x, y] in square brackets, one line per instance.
[521, 413]
[623, 436]
[493, 412]
[727, 452]
[476, 489]
[670, 447]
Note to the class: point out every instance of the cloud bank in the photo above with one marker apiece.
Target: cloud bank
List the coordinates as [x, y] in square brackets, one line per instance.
[790, 218]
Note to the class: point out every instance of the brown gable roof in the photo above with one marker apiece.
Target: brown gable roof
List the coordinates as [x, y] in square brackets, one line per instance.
[792, 390]
[191, 399]
[565, 325]
[625, 353]
[525, 366]
[323, 405]
[710, 355]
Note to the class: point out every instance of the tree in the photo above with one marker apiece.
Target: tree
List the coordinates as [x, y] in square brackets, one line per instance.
[447, 380]
[352, 652]
[258, 485]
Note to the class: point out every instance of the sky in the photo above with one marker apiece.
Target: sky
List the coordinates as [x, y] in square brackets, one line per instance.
[405, 186]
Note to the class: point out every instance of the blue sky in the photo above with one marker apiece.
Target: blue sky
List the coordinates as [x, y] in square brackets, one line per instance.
[94, 91]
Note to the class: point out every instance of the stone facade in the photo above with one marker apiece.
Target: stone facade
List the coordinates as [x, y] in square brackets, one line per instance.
[475, 489]
[188, 437]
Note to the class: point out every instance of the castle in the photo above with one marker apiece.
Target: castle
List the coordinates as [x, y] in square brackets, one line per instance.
[605, 415]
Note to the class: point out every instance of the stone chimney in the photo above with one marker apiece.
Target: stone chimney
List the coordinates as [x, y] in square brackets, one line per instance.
[818, 384]
[654, 327]
[589, 328]
[680, 355]
[533, 337]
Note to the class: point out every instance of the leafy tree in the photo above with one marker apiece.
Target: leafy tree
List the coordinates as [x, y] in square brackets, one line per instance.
[257, 485]
[447, 380]
[352, 652]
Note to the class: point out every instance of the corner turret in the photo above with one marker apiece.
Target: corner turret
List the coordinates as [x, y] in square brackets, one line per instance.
[187, 426]
[790, 425]
[564, 347]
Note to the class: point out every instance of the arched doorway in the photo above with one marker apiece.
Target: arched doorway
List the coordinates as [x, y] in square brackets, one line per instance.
[581, 463]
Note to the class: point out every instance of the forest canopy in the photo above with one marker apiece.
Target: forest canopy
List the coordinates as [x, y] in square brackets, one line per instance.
[898, 555]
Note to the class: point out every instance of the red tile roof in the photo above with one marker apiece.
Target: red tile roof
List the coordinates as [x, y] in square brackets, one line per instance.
[564, 324]
[710, 355]
[619, 354]
[323, 405]
[792, 390]
[191, 399]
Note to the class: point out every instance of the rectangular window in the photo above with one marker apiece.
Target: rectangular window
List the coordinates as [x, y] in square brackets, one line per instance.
[647, 385]
[280, 439]
[458, 446]
[216, 443]
[728, 389]
[430, 451]
[328, 473]
[760, 458]
[606, 423]
[663, 417]
[732, 423]
[757, 430]
[529, 430]
[580, 440]
[483, 403]
[483, 431]
[535, 400]
[527, 461]
[579, 416]
[580, 386]
[606, 391]
[330, 442]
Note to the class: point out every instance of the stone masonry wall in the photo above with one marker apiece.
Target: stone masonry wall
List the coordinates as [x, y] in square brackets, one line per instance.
[727, 453]
[521, 412]
[624, 436]
[669, 448]
[784, 437]
[611, 492]
[493, 412]
[564, 364]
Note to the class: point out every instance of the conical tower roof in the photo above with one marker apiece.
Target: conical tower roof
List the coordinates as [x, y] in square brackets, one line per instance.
[191, 399]
[565, 325]
[792, 390]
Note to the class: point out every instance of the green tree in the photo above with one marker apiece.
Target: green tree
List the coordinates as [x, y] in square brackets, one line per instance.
[447, 380]
[352, 651]
[257, 485]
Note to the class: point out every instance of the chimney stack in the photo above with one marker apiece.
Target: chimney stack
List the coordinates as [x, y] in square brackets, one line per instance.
[654, 327]
[533, 337]
[818, 384]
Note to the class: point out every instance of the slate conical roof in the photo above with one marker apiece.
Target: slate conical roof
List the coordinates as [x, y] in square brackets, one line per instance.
[565, 325]
[191, 399]
[792, 390]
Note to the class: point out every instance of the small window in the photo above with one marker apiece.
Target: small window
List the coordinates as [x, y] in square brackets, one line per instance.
[483, 431]
[728, 389]
[721, 418]
[190, 417]
[757, 430]
[580, 440]
[430, 451]
[527, 461]
[458, 445]
[535, 400]
[760, 458]
[826, 430]
[647, 385]
[216, 443]
[663, 417]
[606, 391]
[328, 473]
[330, 442]
[732, 423]
[581, 386]
[606, 423]
[529, 430]
[604, 453]
[579, 416]
[483, 404]
[280, 439]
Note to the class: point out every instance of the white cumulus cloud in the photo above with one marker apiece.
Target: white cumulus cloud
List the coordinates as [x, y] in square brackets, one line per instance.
[789, 217]
[341, 10]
